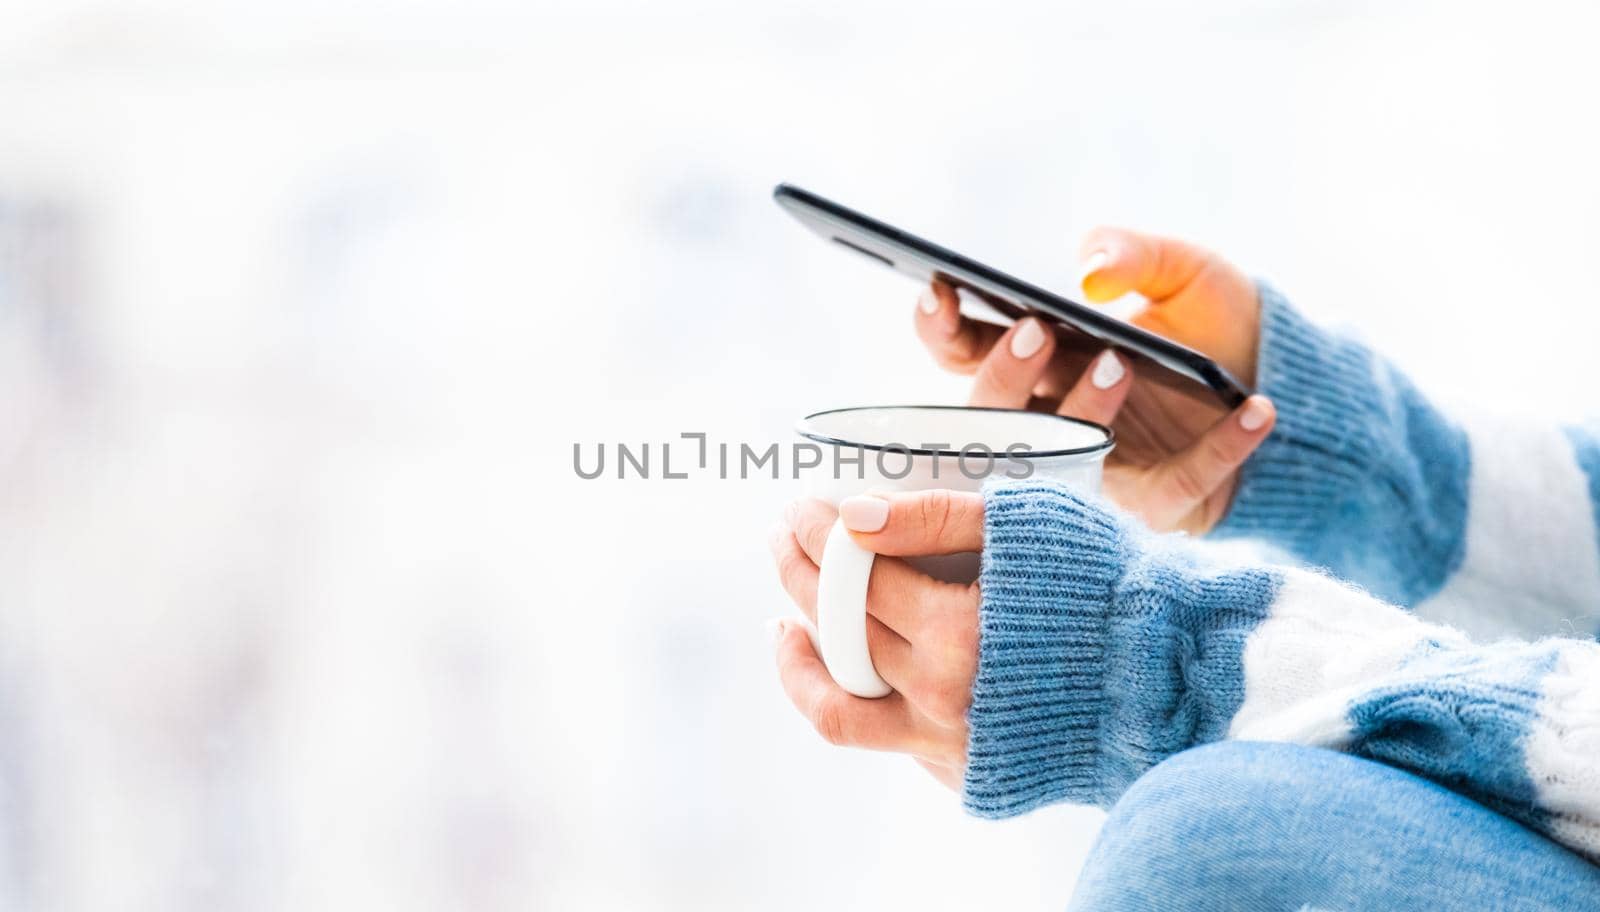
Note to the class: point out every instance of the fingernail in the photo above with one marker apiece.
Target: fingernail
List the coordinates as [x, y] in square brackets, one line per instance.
[1095, 262]
[928, 302]
[1027, 340]
[863, 513]
[775, 630]
[790, 511]
[1255, 414]
[1108, 370]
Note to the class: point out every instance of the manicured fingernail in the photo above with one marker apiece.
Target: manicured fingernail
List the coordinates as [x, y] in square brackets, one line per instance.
[1095, 262]
[928, 302]
[1108, 370]
[863, 513]
[775, 630]
[790, 511]
[1027, 340]
[1255, 414]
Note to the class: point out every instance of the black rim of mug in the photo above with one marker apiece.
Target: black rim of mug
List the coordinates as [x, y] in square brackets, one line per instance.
[800, 428]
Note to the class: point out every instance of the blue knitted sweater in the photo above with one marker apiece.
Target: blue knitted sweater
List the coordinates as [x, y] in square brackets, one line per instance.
[1105, 649]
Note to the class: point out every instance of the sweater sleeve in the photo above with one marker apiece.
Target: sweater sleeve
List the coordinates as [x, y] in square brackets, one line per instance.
[1105, 649]
[1484, 523]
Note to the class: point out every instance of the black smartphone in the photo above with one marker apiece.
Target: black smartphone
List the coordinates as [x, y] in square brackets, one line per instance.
[1181, 368]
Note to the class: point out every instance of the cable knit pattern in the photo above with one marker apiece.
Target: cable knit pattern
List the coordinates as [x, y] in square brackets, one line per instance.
[1105, 649]
[1075, 695]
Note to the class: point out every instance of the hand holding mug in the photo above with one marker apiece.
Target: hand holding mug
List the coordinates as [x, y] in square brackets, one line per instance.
[923, 632]
[907, 448]
[1177, 456]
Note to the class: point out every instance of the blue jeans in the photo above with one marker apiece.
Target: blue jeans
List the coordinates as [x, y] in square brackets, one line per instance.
[1252, 826]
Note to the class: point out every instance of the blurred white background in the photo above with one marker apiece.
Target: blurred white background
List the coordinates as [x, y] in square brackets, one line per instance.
[303, 306]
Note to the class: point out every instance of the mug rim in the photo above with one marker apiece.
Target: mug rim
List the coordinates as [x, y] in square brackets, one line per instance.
[1106, 444]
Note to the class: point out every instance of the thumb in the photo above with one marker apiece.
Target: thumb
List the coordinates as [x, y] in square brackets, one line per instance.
[914, 523]
[1117, 261]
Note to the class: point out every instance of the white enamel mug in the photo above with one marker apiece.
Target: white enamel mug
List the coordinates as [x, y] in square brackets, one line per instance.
[918, 448]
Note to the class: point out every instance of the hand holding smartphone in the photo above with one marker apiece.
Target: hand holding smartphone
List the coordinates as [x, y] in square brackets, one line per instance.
[1176, 366]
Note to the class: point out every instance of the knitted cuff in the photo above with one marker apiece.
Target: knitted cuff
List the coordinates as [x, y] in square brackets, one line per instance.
[1051, 564]
[1330, 417]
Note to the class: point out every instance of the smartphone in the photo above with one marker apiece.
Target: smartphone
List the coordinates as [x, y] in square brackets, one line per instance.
[1178, 367]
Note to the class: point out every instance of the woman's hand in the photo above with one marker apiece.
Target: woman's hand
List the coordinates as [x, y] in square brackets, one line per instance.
[1177, 456]
[922, 633]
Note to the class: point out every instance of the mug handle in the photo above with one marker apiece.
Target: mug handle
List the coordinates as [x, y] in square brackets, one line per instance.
[842, 615]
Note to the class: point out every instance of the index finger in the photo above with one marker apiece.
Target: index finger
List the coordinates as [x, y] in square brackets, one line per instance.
[956, 342]
[915, 523]
[900, 598]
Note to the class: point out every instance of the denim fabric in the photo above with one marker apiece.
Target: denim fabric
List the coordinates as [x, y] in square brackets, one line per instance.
[1249, 827]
